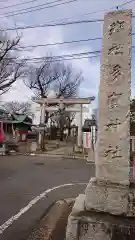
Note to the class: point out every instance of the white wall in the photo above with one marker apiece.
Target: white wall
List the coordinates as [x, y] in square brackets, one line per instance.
[36, 111]
[86, 115]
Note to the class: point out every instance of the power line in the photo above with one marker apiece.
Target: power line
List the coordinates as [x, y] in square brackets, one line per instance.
[64, 59]
[54, 25]
[125, 3]
[40, 7]
[61, 56]
[22, 48]
[43, 7]
[67, 56]
[59, 43]
[90, 13]
[74, 56]
[97, 52]
[51, 25]
[19, 4]
[94, 12]
[41, 60]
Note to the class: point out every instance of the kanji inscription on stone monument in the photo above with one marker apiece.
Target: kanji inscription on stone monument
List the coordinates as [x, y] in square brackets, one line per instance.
[112, 152]
[114, 99]
[115, 49]
[115, 72]
[112, 124]
[116, 27]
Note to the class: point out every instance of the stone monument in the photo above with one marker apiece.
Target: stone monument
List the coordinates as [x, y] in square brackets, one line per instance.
[107, 209]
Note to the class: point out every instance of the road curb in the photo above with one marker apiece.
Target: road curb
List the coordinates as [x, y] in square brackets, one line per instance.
[49, 155]
[53, 224]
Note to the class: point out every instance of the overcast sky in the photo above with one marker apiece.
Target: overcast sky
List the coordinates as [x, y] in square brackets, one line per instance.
[77, 10]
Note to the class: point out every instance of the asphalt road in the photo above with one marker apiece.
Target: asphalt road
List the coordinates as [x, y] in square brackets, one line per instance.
[24, 178]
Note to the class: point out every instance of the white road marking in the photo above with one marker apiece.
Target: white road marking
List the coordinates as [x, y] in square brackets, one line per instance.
[10, 221]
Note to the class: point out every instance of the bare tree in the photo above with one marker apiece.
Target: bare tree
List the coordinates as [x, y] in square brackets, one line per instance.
[14, 107]
[40, 78]
[67, 86]
[10, 65]
[57, 77]
[68, 80]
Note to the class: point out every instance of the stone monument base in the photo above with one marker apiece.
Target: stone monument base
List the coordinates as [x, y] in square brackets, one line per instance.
[105, 212]
[113, 198]
[99, 226]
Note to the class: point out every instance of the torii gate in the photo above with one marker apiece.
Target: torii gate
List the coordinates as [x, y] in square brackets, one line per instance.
[44, 102]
